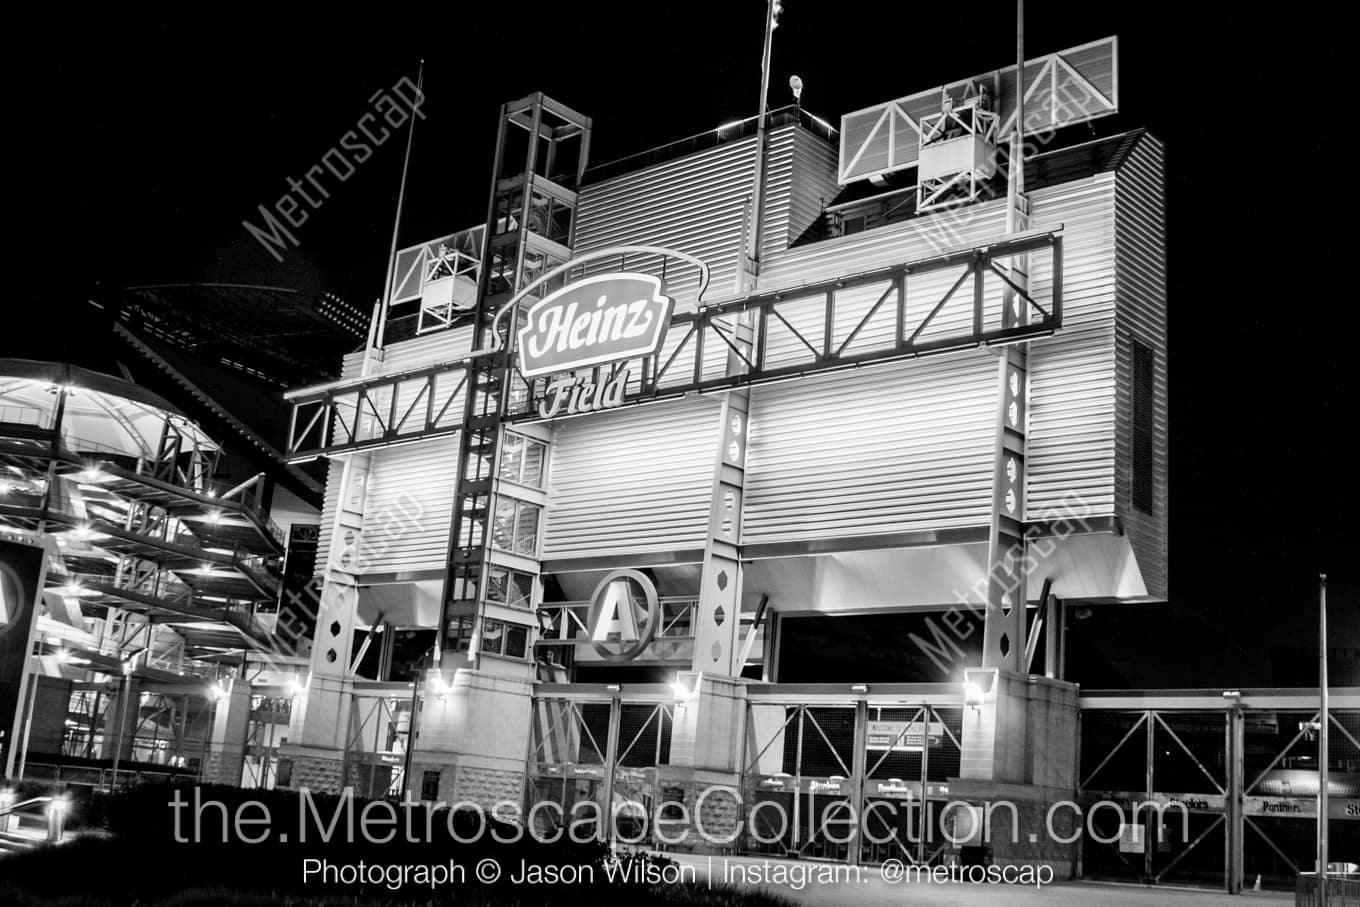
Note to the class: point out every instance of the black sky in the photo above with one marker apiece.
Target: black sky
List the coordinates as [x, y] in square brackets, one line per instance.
[139, 144]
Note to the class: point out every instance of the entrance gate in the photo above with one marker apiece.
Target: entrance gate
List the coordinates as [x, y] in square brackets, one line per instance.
[1213, 789]
[593, 755]
[856, 780]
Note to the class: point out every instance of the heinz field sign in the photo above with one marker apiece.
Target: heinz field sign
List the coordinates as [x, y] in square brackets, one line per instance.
[594, 321]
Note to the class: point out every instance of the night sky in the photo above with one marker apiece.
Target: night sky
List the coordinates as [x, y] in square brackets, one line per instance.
[138, 146]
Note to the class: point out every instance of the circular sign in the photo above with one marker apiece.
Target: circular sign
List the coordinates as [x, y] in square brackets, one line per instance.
[624, 615]
[13, 603]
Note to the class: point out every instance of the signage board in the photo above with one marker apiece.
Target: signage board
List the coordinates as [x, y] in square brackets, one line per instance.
[902, 736]
[602, 319]
[624, 615]
[1299, 807]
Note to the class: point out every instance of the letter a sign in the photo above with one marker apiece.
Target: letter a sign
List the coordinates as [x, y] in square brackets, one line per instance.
[624, 614]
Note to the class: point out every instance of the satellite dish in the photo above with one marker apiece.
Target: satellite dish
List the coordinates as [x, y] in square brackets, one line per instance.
[797, 85]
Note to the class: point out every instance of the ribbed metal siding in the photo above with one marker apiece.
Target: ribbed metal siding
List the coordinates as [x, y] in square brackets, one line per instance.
[1071, 438]
[1140, 226]
[908, 446]
[694, 204]
[329, 503]
[410, 506]
[800, 180]
[632, 481]
[427, 467]
[415, 352]
[903, 447]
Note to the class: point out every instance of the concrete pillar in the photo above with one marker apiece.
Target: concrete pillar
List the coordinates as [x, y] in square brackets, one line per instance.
[476, 736]
[705, 764]
[317, 737]
[224, 760]
[121, 719]
[1020, 758]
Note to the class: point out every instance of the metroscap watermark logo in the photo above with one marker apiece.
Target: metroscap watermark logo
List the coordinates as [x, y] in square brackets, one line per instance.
[594, 321]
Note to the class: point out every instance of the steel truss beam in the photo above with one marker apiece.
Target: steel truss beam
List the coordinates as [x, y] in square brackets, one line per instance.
[375, 412]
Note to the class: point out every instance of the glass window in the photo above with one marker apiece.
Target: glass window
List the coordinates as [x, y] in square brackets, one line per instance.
[512, 456]
[460, 633]
[522, 460]
[521, 591]
[503, 527]
[497, 580]
[535, 453]
[493, 633]
[515, 528]
[526, 530]
[516, 641]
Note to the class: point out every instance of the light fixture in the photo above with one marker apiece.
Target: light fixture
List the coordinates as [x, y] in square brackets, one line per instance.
[295, 687]
[860, 688]
[92, 474]
[685, 685]
[979, 685]
[214, 517]
[63, 656]
[613, 687]
[437, 685]
[796, 84]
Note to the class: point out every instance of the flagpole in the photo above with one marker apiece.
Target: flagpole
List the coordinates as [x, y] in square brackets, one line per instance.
[1323, 751]
[1015, 177]
[773, 8]
[401, 200]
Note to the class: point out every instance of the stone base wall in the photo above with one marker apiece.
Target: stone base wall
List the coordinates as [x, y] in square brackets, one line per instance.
[714, 815]
[223, 767]
[1033, 834]
[319, 773]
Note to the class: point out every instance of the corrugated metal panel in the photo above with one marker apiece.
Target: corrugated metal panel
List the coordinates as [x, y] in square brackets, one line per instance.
[908, 446]
[405, 355]
[904, 447]
[694, 204]
[409, 509]
[632, 481]
[329, 503]
[1070, 463]
[800, 179]
[1142, 293]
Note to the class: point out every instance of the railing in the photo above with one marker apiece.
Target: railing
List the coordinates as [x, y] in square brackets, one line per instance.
[55, 809]
[1343, 889]
[25, 415]
[728, 132]
[567, 621]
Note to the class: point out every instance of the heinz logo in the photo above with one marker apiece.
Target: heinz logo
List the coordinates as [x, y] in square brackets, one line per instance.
[594, 321]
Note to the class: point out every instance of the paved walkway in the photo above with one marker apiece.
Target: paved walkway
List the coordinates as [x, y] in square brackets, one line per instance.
[844, 886]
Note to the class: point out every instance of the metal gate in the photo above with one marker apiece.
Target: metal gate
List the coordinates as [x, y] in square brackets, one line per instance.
[1154, 789]
[592, 758]
[859, 781]
[797, 780]
[910, 753]
[1279, 809]
[1214, 789]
